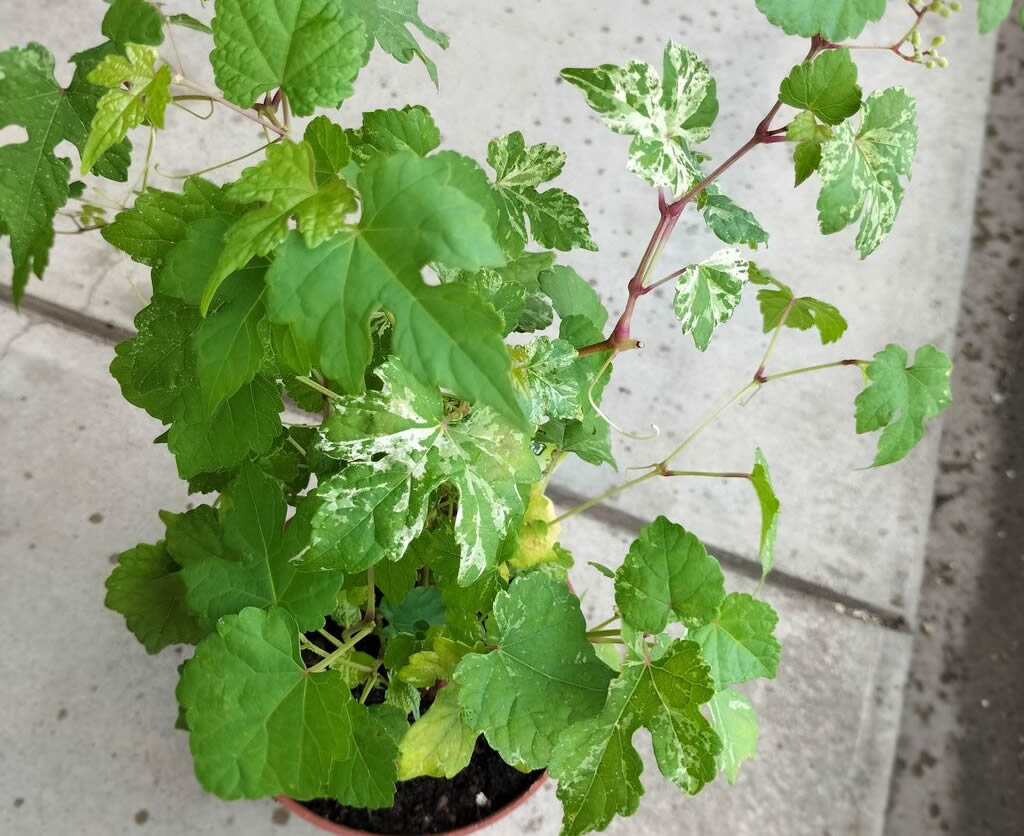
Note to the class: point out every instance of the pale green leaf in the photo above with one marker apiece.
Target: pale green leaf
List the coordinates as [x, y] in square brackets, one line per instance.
[735, 722]
[261, 725]
[826, 86]
[836, 20]
[286, 182]
[915, 393]
[329, 144]
[595, 764]
[147, 589]
[761, 478]
[739, 643]
[991, 13]
[543, 676]
[189, 22]
[861, 172]
[138, 92]
[805, 312]
[667, 575]
[388, 22]
[311, 49]
[707, 294]
[440, 743]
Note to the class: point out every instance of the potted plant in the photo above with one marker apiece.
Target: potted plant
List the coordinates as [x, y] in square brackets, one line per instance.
[345, 346]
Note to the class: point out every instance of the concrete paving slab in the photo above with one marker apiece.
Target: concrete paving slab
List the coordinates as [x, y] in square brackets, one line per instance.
[87, 742]
[962, 739]
[859, 532]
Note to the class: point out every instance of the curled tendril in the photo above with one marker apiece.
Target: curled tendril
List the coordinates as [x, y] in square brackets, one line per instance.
[191, 112]
[604, 415]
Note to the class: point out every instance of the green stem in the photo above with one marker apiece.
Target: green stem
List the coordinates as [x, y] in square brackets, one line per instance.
[806, 369]
[308, 645]
[607, 640]
[325, 663]
[707, 422]
[602, 634]
[219, 165]
[296, 445]
[708, 474]
[202, 95]
[312, 384]
[331, 638]
[371, 597]
[606, 622]
[775, 336]
[608, 494]
[368, 686]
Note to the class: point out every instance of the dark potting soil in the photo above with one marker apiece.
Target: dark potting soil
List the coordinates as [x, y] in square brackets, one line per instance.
[435, 805]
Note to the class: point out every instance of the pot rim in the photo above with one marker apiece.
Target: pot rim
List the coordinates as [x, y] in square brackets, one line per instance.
[303, 812]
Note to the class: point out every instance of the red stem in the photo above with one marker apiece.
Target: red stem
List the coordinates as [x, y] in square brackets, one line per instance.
[620, 338]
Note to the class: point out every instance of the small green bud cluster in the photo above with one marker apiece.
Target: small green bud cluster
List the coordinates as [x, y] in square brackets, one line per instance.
[930, 57]
[943, 8]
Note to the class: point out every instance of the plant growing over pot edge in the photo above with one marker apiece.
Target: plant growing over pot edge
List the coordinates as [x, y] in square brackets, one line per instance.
[379, 582]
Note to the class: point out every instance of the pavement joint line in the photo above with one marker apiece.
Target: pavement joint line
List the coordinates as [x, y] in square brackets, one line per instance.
[847, 605]
[844, 604]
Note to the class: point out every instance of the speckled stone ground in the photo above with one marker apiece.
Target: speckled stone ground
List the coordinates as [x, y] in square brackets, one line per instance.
[960, 762]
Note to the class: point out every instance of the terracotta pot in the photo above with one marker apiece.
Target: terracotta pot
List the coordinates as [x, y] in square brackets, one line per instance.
[303, 812]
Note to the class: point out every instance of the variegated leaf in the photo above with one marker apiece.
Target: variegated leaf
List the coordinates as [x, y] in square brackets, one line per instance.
[708, 293]
[861, 172]
[540, 371]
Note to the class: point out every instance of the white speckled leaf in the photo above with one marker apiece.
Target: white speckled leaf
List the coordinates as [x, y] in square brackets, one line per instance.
[594, 762]
[708, 293]
[405, 448]
[736, 724]
[860, 173]
[556, 219]
[665, 114]
[540, 371]
[543, 676]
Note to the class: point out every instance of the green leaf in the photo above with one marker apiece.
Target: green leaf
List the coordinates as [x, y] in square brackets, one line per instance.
[826, 86]
[246, 423]
[739, 644]
[249, 562]
[594, 762]
[666, 116]
[541, 373]
[991, 13]
[330, 149]
[389, 131]
[420, 610]
[261, 725]
[761, 478]
[731, 223]
[916, 393]
[735, 722]
[159, 220]
[414, 211]
[230, 341]
[189, 22]
[440, 743]
[809, 136]
[707, 294]
[147, 589]
[860, 173]
[194, 535]
[155, 366]
[286, 181]
[572, 295]
[387, 22]
[311, 49]
[35, 182]
[667, 575]
[805, 312]
[133, 21]
[138, 92]
[556, 220]
[836, 20]
[543, 676]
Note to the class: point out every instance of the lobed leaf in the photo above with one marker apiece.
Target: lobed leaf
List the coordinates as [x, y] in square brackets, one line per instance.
[739, 643]
[707, 294]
